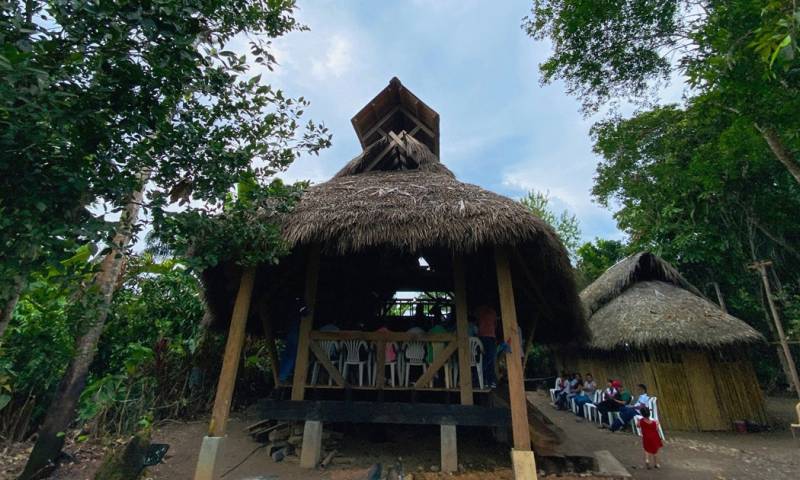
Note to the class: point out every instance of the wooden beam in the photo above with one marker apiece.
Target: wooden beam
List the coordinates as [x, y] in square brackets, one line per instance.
[323, 359]
[233, 353]
[529, 343]
[516, 385]
[438, 362]
[383, 336]
[462, 331]
[306, 323]
[378, 124]
[272, 348]
[383, 413]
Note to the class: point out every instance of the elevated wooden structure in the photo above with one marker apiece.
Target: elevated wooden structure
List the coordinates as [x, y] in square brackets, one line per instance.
[357, 240]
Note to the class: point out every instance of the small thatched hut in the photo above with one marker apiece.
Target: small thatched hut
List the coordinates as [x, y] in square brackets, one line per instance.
[395, 219]
[650, 325]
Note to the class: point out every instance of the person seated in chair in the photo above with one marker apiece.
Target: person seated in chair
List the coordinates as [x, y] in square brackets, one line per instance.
[627, 412]
[620, 398]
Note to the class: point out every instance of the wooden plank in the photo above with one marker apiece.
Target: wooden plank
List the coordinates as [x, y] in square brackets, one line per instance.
[388, 387]
[380, 365]
[462, 331]
[304, 334]
[233, 352]
[516, 383]
[449, 448]
[438, 362]
[323, 359]
[383, 336]
[272, 349]
[384, 413]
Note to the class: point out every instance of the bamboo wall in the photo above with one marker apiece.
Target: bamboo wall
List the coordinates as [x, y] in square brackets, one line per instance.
[696, 389]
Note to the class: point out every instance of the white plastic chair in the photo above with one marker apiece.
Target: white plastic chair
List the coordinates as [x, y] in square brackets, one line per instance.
[590, 411]
[554, 390]
[391, 365]
[330, 347]
[652, 404]
[476, 358]
[415, 357]
[352, 356]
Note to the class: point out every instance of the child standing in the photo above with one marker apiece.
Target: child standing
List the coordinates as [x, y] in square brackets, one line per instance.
[651, 440]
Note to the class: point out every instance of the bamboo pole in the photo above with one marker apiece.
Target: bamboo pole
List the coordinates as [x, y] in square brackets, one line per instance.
[304, 333]
[762, 269]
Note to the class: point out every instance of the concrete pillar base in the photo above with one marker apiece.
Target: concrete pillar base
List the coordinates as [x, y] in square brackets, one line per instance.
[207, 458]
[312, 444]
[524, 464]
[449, 448]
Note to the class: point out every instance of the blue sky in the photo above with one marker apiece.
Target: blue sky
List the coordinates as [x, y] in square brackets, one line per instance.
[471, 62]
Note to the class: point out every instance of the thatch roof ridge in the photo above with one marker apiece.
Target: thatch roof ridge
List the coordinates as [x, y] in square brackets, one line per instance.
[656, 313]
[640, 266]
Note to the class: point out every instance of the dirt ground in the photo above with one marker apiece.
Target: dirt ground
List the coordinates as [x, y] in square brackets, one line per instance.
[696, 456]
[686, 456]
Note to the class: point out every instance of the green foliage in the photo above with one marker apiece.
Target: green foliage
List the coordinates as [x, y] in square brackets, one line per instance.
[594, 258]
[246, 232]
[94, 93]
[565, 224]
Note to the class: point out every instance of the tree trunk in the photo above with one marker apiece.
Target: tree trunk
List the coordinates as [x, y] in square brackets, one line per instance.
[9, 303]
[781, 151]
[61, 412]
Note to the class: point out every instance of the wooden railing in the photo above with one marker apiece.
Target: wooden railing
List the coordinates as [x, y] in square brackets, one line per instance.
[378, 341]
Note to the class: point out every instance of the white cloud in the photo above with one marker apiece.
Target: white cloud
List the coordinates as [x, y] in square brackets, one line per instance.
[337, 61]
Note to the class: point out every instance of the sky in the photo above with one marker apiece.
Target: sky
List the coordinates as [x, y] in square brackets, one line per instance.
[472, 63]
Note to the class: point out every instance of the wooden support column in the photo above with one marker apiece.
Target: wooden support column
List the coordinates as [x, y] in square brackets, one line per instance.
[522, 457]
[272, 349]
[304, 333]
[449, 448]
[227, 377]
[462, 331]
[233, 352]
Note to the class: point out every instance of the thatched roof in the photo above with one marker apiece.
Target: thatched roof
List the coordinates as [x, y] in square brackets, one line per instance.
[644, 301]
[396, 202]
[411, 209]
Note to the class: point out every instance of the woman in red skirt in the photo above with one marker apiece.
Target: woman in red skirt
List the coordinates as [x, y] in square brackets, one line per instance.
[651, 440]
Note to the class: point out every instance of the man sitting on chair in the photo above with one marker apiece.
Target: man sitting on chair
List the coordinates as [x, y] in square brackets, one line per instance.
[627, 412]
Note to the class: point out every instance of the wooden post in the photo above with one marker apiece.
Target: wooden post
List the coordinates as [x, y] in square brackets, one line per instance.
[462, 331]
[522, 457]
[304, 333]
[762, 268]
[449, 448]
[529, 344]
[227, 378]
[720, 298]
[272, 349]
[380, 365]
[233, 352]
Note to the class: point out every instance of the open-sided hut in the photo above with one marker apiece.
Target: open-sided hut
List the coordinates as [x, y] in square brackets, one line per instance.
[359, 238]
[650, 325]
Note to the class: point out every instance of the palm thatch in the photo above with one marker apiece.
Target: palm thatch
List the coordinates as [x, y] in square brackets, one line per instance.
[644, 301]
[410, 209]
[394, 203]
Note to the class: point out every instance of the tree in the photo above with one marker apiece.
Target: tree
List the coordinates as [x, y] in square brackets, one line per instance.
[742, 53]
[565, 224]
[594, 258]
[141, 105]
[698, 186]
